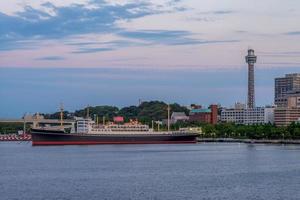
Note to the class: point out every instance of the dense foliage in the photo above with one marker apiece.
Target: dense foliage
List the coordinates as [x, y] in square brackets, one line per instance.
[11, 128]
[56, 115]
[102, 111]
[260, 131]
[230, 130]
[145, 112]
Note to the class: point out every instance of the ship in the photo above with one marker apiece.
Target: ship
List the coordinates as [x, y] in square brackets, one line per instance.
[85, 131]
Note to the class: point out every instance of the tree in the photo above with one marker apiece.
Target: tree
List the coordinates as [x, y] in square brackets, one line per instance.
[130, 112]
[102, 111]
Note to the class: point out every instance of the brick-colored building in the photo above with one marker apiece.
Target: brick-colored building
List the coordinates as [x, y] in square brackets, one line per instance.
[205, 115]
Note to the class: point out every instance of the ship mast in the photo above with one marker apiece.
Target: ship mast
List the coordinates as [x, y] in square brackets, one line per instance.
[61, 114]
[168, 117]
[24, 124]
[87, 111]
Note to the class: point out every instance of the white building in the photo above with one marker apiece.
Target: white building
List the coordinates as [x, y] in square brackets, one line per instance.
[175, 117]
[258, 115]
[178, 116]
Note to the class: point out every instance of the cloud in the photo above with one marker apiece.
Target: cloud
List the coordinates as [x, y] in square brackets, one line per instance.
[168, 37]
[217, 12]
[280, 54]
[51, 58]
[223, 12]
[11, 44]
[210, 16]
[159, 36]
[292, 33]
[241, 31]
[143, 38]
[62, 22]
[282, 63]
[92, 50]
[27, 28]
[110, 44]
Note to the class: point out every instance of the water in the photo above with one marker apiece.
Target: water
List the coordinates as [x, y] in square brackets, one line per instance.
[168, 172]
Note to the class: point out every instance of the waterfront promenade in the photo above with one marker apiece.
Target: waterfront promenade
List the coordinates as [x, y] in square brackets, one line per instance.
[248, 141]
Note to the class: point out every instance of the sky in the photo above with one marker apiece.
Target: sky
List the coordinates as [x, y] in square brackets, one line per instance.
[115, 52]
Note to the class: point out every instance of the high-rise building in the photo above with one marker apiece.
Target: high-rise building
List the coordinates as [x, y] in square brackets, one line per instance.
[284, 87]
[251, 59]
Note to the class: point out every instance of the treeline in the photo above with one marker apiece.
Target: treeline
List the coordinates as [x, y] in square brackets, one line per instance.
[238, 131]
[11, 128]
[145, 112]
[260, 131]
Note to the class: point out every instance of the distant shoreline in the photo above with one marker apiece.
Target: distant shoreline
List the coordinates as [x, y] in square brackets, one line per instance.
[248, 141]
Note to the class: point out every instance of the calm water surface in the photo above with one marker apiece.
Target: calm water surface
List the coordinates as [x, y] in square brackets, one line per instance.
[200, 171]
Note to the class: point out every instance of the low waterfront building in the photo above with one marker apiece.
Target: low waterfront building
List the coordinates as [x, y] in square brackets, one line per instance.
[248, 116]
[285, 116]
[178, 116]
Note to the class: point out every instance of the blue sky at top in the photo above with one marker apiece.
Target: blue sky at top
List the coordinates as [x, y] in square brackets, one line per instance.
[146, 49]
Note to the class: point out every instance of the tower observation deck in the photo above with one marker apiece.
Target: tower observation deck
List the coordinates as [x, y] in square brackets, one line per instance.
[251, 59]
